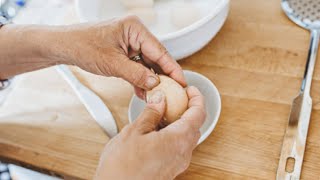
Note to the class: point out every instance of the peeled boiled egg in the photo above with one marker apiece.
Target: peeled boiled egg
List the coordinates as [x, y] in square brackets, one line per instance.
[176, 98]
[129, 4]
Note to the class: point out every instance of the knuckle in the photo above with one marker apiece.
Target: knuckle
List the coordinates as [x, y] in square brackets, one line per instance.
[153, 112]
[121, 23]
[132, 18]
[164, 53]
[127, 22]
[102, 68]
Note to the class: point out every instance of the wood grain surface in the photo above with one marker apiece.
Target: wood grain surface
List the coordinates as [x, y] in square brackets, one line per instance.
[257, 63]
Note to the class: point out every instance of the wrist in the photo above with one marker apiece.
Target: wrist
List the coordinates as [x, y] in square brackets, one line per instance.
[62, 44]
[36, 43]
[56, 44]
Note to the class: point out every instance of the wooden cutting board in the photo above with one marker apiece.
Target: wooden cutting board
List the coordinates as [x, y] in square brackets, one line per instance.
[257, 63]
[44, 122]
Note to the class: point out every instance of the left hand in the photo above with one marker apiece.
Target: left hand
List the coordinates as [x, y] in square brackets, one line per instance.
[105, 49]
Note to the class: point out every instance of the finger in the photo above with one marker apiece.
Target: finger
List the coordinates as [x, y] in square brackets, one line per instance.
[168, 67]
[196, 137]
[140, 39]
[191, 121]
[196, 113]
[137, 74]
[140, 93]
[153, 65]
[150, 118]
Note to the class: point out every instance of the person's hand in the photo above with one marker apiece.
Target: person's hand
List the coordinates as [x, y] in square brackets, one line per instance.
[105, 48]
[141, 151]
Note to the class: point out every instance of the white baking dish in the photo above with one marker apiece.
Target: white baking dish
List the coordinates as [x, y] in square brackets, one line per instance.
[180, 43]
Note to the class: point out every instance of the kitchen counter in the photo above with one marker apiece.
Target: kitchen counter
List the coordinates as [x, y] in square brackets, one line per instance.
[257, 62]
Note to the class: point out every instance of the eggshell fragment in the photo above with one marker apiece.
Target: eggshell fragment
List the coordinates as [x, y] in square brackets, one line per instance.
[184, 14]
[147, 15]
[176, 98]
[130, 4]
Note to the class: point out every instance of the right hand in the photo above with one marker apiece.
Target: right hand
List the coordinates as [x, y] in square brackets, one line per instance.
[141, 151]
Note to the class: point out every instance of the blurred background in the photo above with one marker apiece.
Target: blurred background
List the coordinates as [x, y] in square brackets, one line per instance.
[51, 12]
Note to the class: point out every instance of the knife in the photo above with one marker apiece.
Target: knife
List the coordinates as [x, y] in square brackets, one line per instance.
[93, 103]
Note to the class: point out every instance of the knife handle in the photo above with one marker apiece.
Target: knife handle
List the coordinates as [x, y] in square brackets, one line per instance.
[93, 103]
[69, 77]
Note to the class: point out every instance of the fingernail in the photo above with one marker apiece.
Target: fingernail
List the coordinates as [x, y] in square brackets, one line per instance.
[151, 82]
[144, 95]
[156, 98]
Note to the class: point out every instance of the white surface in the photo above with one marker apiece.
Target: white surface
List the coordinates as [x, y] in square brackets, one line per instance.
[52, 12]
[184, 14]
[5, 92]
[106, 9]
[137, 3]
[212, 101]
[147, 15]
[5, 176]
[191, 39]
[3, 168]
[179, 42]
[20, 173]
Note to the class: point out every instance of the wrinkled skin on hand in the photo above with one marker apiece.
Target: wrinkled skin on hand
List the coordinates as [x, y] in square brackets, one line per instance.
[141, 151]
[106, 48]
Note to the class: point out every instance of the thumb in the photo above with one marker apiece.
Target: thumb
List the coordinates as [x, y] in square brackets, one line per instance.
[137, 74]
[150, 118]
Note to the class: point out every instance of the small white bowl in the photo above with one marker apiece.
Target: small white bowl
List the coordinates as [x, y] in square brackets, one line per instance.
[180, 43]
[212, 100]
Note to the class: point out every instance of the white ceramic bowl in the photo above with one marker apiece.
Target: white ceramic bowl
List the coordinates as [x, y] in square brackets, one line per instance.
[212, 98]
[180, 43]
